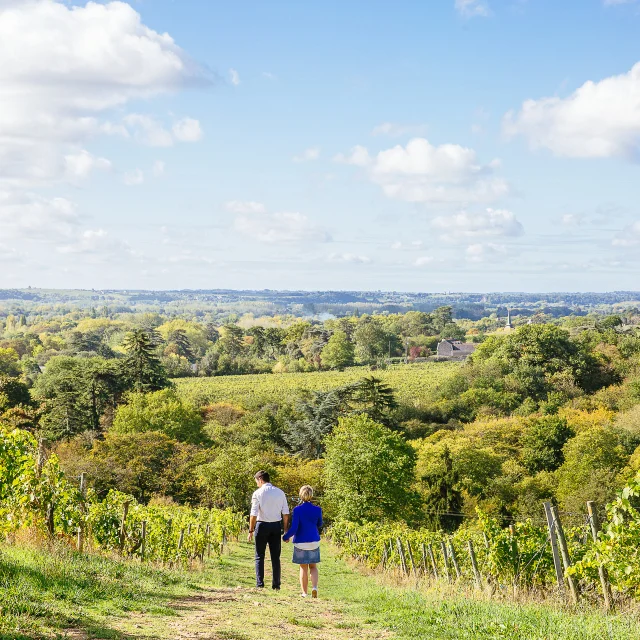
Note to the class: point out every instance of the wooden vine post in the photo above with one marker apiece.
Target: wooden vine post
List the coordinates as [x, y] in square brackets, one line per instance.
[454, 559]
[432, 557]
[413, 564]
[143, 541]
[564, 550]
[602, 571]
[83, 494]
[474, 565]
[443, 546]
[424, 559]
[554, 546]
[403, 561]
[122, 536]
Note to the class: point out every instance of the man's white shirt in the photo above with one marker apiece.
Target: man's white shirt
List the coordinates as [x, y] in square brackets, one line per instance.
[269, 504]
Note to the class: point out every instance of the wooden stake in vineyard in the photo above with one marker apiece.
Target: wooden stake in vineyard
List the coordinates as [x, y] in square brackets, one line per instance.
[83, 494]
[602, 571]
[554, 546]
[564, 549]
[122, 536]
[474, 565]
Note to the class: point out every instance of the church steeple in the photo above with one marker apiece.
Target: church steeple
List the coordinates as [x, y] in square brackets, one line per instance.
[508, 325]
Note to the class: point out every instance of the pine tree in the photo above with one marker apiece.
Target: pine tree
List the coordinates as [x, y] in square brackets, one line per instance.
[141, 365]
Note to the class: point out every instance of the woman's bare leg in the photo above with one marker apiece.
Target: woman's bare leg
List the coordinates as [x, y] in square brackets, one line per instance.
[313, 570]
[304, 577]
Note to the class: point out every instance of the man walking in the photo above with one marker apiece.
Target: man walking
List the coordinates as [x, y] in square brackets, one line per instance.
[268, 508]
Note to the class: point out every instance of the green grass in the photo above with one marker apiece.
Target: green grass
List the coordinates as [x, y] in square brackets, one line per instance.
[414, 384]
[43, 593]
[45, 590]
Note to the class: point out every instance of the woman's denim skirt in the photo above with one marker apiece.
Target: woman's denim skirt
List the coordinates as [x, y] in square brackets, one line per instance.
[305, 556]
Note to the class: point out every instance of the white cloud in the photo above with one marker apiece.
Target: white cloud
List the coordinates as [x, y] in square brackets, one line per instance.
[187, 130]
[133, 178]
[414, 245]
[158, 168]
[485, 252]
[573, 219]
[82, 164]
[149, 131]
[423, 261]
[313, 153]
[80, 63]
[28, 216]
[472, 8]
[628, 237]
[598, 120]
[358, 156]
[268, 75]
[422, 172]
[490, 223]
[97, 245]
[235, 77]
[279, 228]
[393, 129]
[240, 206]
[352, 258]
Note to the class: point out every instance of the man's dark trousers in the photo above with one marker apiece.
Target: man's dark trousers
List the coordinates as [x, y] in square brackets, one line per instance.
[268, 533]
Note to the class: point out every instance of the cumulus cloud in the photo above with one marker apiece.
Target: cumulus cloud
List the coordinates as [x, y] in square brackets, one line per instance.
[187, 130]
[68, 71]
[423, 261]
[98, 243]
[234, 77]
[82, 164]
[313, 153]
[472, 8]
[358, 156]
[598, 120]
[81, 63]
[28, 216]
[280, 228]
[423, 172]
[628, 237]
[352, 258]
[242, 206]
[488, 252]
[490, 223]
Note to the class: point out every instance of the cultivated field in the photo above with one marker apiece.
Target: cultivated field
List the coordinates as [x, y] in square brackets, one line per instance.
[414, 384]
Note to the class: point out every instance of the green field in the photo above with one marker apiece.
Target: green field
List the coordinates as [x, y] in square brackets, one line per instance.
[414, 384]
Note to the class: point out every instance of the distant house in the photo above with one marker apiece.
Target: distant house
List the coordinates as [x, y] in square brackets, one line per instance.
[455, 349]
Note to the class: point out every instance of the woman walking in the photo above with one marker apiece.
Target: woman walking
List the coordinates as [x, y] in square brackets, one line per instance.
[305, 530]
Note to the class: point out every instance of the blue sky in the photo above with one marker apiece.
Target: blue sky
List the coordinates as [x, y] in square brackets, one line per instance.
[448, 145]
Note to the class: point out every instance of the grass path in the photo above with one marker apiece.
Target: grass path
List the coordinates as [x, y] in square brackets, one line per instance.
[356, 606]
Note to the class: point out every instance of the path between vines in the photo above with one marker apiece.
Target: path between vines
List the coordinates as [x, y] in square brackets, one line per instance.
[235, 610]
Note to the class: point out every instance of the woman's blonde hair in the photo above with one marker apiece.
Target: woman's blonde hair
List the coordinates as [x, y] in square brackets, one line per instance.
[306, 493]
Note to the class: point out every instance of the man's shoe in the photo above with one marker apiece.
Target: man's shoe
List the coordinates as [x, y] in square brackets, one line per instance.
[276, 588]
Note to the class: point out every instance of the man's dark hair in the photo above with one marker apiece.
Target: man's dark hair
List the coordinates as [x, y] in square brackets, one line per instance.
[262, 475]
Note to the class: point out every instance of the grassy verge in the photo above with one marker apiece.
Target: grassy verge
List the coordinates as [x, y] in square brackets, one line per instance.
[45, 592]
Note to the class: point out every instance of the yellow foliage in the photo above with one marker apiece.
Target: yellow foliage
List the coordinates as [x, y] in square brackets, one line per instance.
[581, 420]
